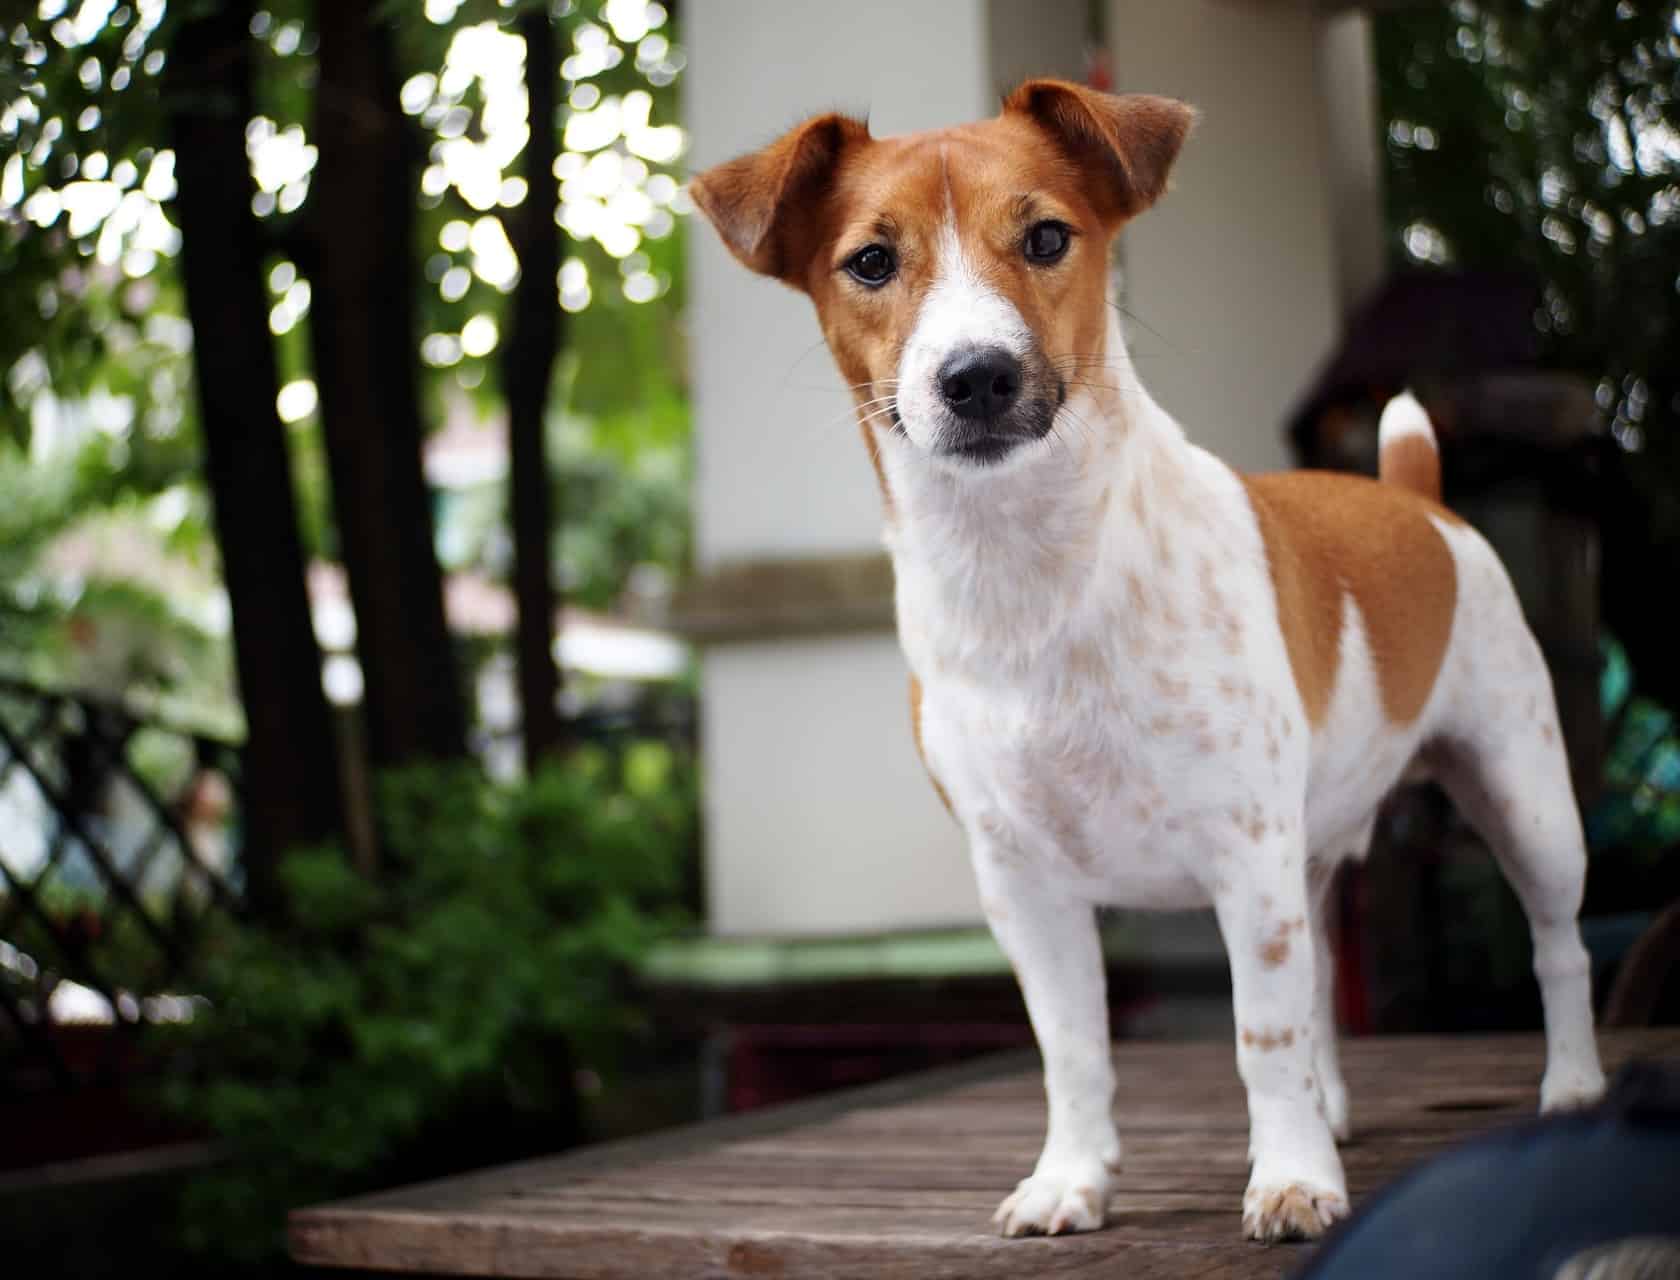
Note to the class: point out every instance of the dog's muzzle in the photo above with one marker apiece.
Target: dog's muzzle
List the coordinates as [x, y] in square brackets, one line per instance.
[985, 393]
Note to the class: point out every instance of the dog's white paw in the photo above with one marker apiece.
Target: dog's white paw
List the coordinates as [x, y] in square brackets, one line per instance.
[1055, 1201]
[1571, 1088]
[1290, 1211]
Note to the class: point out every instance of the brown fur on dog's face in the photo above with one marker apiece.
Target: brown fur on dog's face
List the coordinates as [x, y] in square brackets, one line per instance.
[990, 184]
[961, 216]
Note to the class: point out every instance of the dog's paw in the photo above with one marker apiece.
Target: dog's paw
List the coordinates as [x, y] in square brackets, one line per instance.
[1570, 1089]
[1054, 1202]
[1291, 1211]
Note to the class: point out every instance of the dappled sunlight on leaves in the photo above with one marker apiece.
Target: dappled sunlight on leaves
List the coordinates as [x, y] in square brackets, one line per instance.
[95, 351]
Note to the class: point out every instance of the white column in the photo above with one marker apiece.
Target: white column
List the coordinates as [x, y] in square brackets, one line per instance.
[780, 467]
[817, 816]
[1348, 76]
[1233, 273]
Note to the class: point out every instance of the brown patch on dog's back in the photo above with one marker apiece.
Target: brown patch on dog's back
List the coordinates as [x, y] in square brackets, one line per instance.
[1326, 533]
[1309, 603]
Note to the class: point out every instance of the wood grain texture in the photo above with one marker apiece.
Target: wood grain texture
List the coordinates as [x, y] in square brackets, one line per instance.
[900, 1179]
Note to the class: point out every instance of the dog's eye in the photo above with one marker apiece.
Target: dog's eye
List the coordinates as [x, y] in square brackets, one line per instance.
[872, 265]
[1047, 242]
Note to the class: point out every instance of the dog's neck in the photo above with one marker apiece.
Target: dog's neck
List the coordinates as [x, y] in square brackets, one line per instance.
[1010, 551]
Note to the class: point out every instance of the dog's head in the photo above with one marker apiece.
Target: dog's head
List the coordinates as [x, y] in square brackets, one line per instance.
[959, 275]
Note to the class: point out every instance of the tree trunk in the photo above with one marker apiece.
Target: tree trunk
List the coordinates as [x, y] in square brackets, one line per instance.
[362, 330]
[527, 371]
[291, 782]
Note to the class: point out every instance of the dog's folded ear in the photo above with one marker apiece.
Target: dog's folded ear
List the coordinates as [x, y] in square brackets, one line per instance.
[768, 205]
[1127, 143]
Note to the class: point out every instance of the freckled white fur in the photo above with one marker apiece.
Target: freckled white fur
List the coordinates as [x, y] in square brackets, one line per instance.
[1108, 702]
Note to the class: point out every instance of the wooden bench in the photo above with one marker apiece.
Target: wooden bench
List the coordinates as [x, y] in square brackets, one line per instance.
[899, 1180]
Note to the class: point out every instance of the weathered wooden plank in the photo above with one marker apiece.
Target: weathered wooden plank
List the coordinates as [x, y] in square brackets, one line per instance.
[606, 1253]
[900, 1180]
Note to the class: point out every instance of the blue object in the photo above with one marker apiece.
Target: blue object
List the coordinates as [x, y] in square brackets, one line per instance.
[1521, 1203]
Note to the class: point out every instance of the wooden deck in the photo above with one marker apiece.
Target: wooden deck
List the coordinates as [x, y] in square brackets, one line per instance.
[900, 1180]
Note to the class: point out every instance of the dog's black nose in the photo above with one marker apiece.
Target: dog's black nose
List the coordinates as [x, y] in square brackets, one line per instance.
[980, 382]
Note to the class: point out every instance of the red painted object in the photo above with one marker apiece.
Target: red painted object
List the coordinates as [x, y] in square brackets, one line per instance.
[1353, 988]
[105, 1112]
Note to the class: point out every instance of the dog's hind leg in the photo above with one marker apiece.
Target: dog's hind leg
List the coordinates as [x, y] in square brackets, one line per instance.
[1511, 782]
[1321, 911]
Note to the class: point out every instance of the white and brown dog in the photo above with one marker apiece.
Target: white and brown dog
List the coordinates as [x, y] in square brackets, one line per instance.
[1140, 678]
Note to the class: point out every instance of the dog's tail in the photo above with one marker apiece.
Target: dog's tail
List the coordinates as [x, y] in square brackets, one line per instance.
[1406, 450]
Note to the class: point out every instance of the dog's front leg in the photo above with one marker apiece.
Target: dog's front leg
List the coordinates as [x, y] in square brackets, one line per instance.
[1051, 940]
[1296, 1187]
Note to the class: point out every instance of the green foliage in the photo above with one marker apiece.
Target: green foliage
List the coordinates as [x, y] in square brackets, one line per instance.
[83, 625]
[1639, 811]
[504, 928]
[626, 506]
[85, 938]
[88, 247]
[1543, 137]
[96, 411]
[622, 488]
[80, 116]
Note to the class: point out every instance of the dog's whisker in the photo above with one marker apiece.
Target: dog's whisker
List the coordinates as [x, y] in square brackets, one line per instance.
[1083, 427]
[1136, 319]
[1076, 368]
[787, 374]
[851, 414]
[887, 414]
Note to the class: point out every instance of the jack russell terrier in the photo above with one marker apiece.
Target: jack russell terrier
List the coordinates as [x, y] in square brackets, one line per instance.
[1139, 678]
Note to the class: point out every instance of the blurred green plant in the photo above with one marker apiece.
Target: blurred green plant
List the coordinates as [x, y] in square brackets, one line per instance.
[89, 249]
[1639, 811]
[1543, 137]
[344, 1047]
[83, 623]
[626, 479]
[102, 939]
[86, 189]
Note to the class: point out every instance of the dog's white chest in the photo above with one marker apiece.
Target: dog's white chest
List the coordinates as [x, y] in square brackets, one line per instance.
[1080, 767]
[1119, 707]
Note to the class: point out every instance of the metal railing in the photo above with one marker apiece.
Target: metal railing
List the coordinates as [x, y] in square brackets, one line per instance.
[119, 845]
[118, 842]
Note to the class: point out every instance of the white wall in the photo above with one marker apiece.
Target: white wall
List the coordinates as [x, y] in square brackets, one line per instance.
[1348, 76]
[1234, 270]
[779, 463]
[819, 816]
